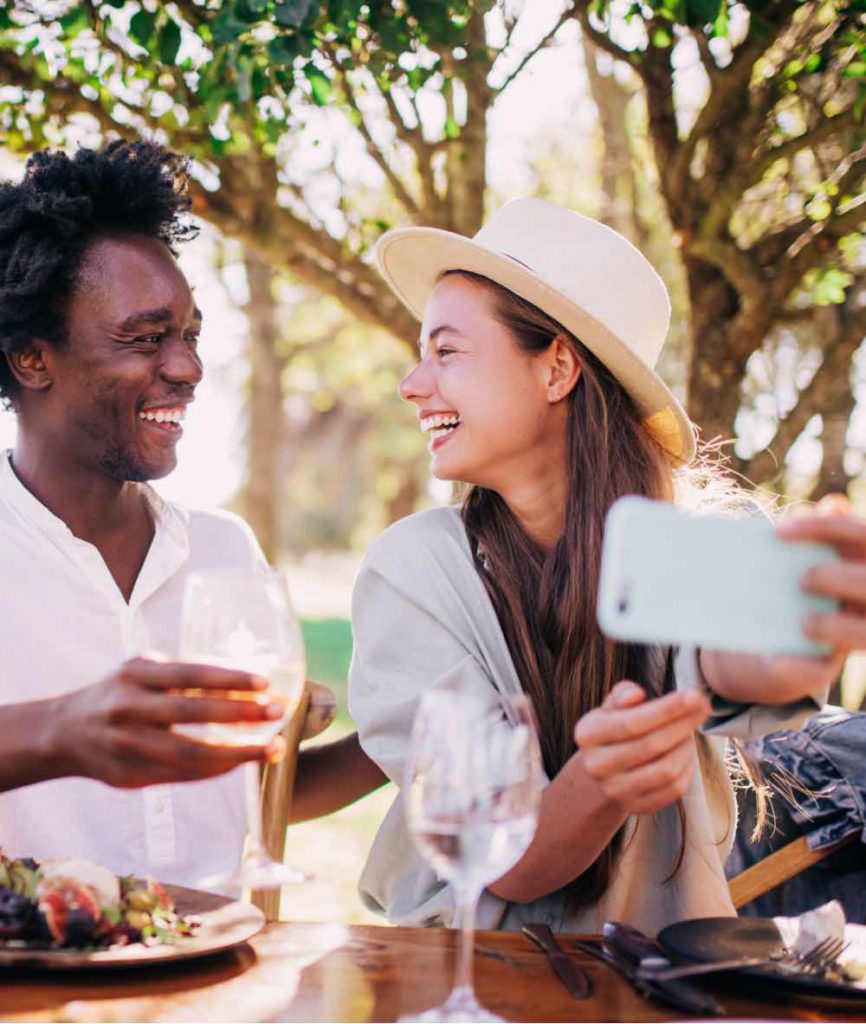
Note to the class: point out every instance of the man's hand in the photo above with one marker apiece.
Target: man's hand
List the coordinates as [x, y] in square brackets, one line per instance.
[641, 752]
[119, 730]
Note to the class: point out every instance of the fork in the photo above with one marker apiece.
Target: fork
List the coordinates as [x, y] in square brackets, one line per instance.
[816, 960]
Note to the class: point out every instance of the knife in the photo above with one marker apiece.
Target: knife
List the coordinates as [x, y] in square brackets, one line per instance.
[575, 978]
[639, 958]
[675, 994]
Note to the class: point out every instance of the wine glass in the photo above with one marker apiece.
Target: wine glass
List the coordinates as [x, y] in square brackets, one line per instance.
[473, 788]
[243, 619]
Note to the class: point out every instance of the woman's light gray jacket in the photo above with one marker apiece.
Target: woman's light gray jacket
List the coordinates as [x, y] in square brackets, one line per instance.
[421, 617]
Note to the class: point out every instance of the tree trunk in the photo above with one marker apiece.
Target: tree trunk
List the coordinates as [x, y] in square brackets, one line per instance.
[715, 372]
[618, 185]
[404, 501]
[264, 408]
[833, 479]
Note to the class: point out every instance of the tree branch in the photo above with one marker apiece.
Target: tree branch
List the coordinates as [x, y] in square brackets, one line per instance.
[735, 263]
[729, 82]
[603, 41]
[543, 43]
[832, 374]
[394, 180]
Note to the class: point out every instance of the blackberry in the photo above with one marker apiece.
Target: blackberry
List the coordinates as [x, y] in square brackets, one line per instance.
[16, 914]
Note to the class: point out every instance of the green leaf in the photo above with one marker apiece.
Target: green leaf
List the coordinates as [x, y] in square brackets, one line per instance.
[141, 27]
[295, 13]
[5, 20]
[662, 37]
[830, 287]
[452, 129]
[320, 84]
[227, 28]
[169, 42]
[75, 22]
[283, 49]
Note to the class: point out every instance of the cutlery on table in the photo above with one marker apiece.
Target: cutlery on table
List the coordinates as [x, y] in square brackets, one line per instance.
[816, 961]
[638, 958]
[574, 977]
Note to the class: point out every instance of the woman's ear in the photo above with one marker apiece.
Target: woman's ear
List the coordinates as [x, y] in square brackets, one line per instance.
[563, 369]
[29, 366]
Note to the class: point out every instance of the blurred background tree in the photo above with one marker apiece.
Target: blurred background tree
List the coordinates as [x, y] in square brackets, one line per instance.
[731, 149]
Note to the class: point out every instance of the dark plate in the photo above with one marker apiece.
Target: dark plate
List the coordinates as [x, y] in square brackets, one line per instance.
[725, 938]
[224, 923]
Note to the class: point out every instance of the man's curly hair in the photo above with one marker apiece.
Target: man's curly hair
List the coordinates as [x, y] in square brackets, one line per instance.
[48, 220]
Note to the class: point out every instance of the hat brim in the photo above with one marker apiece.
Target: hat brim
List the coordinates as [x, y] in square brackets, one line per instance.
[413, 259]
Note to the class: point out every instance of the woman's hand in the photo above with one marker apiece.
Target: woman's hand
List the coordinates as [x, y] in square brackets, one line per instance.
[782, 679]
[845, 579]
[641, 752]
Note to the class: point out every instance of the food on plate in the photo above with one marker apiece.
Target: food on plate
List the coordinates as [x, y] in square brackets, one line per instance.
[75, 903]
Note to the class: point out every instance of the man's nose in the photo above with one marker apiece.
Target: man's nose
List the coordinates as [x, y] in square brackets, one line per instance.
[416, 385]
[181, 363]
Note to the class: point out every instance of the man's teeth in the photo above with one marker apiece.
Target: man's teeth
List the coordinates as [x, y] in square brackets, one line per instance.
[162, 415]
[439, 425]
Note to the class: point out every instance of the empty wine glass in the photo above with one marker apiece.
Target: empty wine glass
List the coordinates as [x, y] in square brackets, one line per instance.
[473, 787]
[243, 619]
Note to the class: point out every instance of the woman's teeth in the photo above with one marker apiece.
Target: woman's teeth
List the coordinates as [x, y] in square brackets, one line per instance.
[439, 426]
[173, 416]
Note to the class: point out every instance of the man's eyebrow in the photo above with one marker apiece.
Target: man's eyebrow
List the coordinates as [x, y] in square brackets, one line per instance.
[146, 317]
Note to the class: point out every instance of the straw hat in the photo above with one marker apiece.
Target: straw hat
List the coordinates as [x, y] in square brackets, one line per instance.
[587, 277]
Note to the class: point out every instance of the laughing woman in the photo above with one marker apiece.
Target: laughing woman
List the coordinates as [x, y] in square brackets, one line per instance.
[535, 386]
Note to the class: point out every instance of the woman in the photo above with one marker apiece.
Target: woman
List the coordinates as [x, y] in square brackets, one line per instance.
[535, 387]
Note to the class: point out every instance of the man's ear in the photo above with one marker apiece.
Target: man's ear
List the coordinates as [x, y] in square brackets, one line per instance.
[29, 366]
[563, 369]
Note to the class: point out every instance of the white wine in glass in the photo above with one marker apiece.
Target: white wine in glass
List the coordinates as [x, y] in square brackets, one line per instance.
[473, 787]
[243, 619]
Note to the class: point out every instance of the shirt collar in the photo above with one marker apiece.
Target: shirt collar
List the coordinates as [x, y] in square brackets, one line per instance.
[168, 551]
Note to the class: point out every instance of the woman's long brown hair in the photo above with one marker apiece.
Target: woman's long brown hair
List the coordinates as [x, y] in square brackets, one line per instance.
[545, 602]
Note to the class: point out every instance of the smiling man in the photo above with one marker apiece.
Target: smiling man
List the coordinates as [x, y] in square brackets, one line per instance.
[98, 359]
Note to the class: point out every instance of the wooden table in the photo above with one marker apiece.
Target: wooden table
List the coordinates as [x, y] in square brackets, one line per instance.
[320, 972]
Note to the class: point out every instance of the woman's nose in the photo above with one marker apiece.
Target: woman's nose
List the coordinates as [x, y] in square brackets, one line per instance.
[415, 386]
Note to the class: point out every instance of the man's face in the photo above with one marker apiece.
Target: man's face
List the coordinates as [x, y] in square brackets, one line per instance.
[129, 367]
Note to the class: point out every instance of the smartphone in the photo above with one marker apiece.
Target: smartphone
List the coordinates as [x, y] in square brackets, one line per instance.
[668, 577]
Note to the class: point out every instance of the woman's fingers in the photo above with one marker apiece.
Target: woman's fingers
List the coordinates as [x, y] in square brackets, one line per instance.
[658, 783]
[616, 725]
[612, 759]
[845, 630]
[846, 533]
[843, 580]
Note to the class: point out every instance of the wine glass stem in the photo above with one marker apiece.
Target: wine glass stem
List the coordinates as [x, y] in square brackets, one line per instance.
[464, 989]
[252, 784]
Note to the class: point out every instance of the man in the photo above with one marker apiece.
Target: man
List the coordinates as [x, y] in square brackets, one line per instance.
[99, 361]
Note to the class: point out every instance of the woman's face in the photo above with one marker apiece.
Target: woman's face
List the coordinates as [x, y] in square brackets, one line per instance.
[482, 401]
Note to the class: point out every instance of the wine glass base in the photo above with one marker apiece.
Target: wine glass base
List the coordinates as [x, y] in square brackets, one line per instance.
[255, 875]
[463, 1008]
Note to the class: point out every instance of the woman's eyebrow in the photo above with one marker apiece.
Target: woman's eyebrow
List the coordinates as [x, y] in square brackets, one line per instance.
[441, 329]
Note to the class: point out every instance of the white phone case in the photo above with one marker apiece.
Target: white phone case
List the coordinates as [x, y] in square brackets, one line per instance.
[710, 581]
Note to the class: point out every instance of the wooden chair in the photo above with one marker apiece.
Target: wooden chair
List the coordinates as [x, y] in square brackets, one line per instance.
[778, 867]
[314, 713]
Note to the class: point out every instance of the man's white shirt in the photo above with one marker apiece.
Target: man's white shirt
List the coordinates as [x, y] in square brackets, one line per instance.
[64, 624]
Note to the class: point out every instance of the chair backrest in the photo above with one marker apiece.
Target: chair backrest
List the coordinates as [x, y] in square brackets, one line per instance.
[313, 714]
